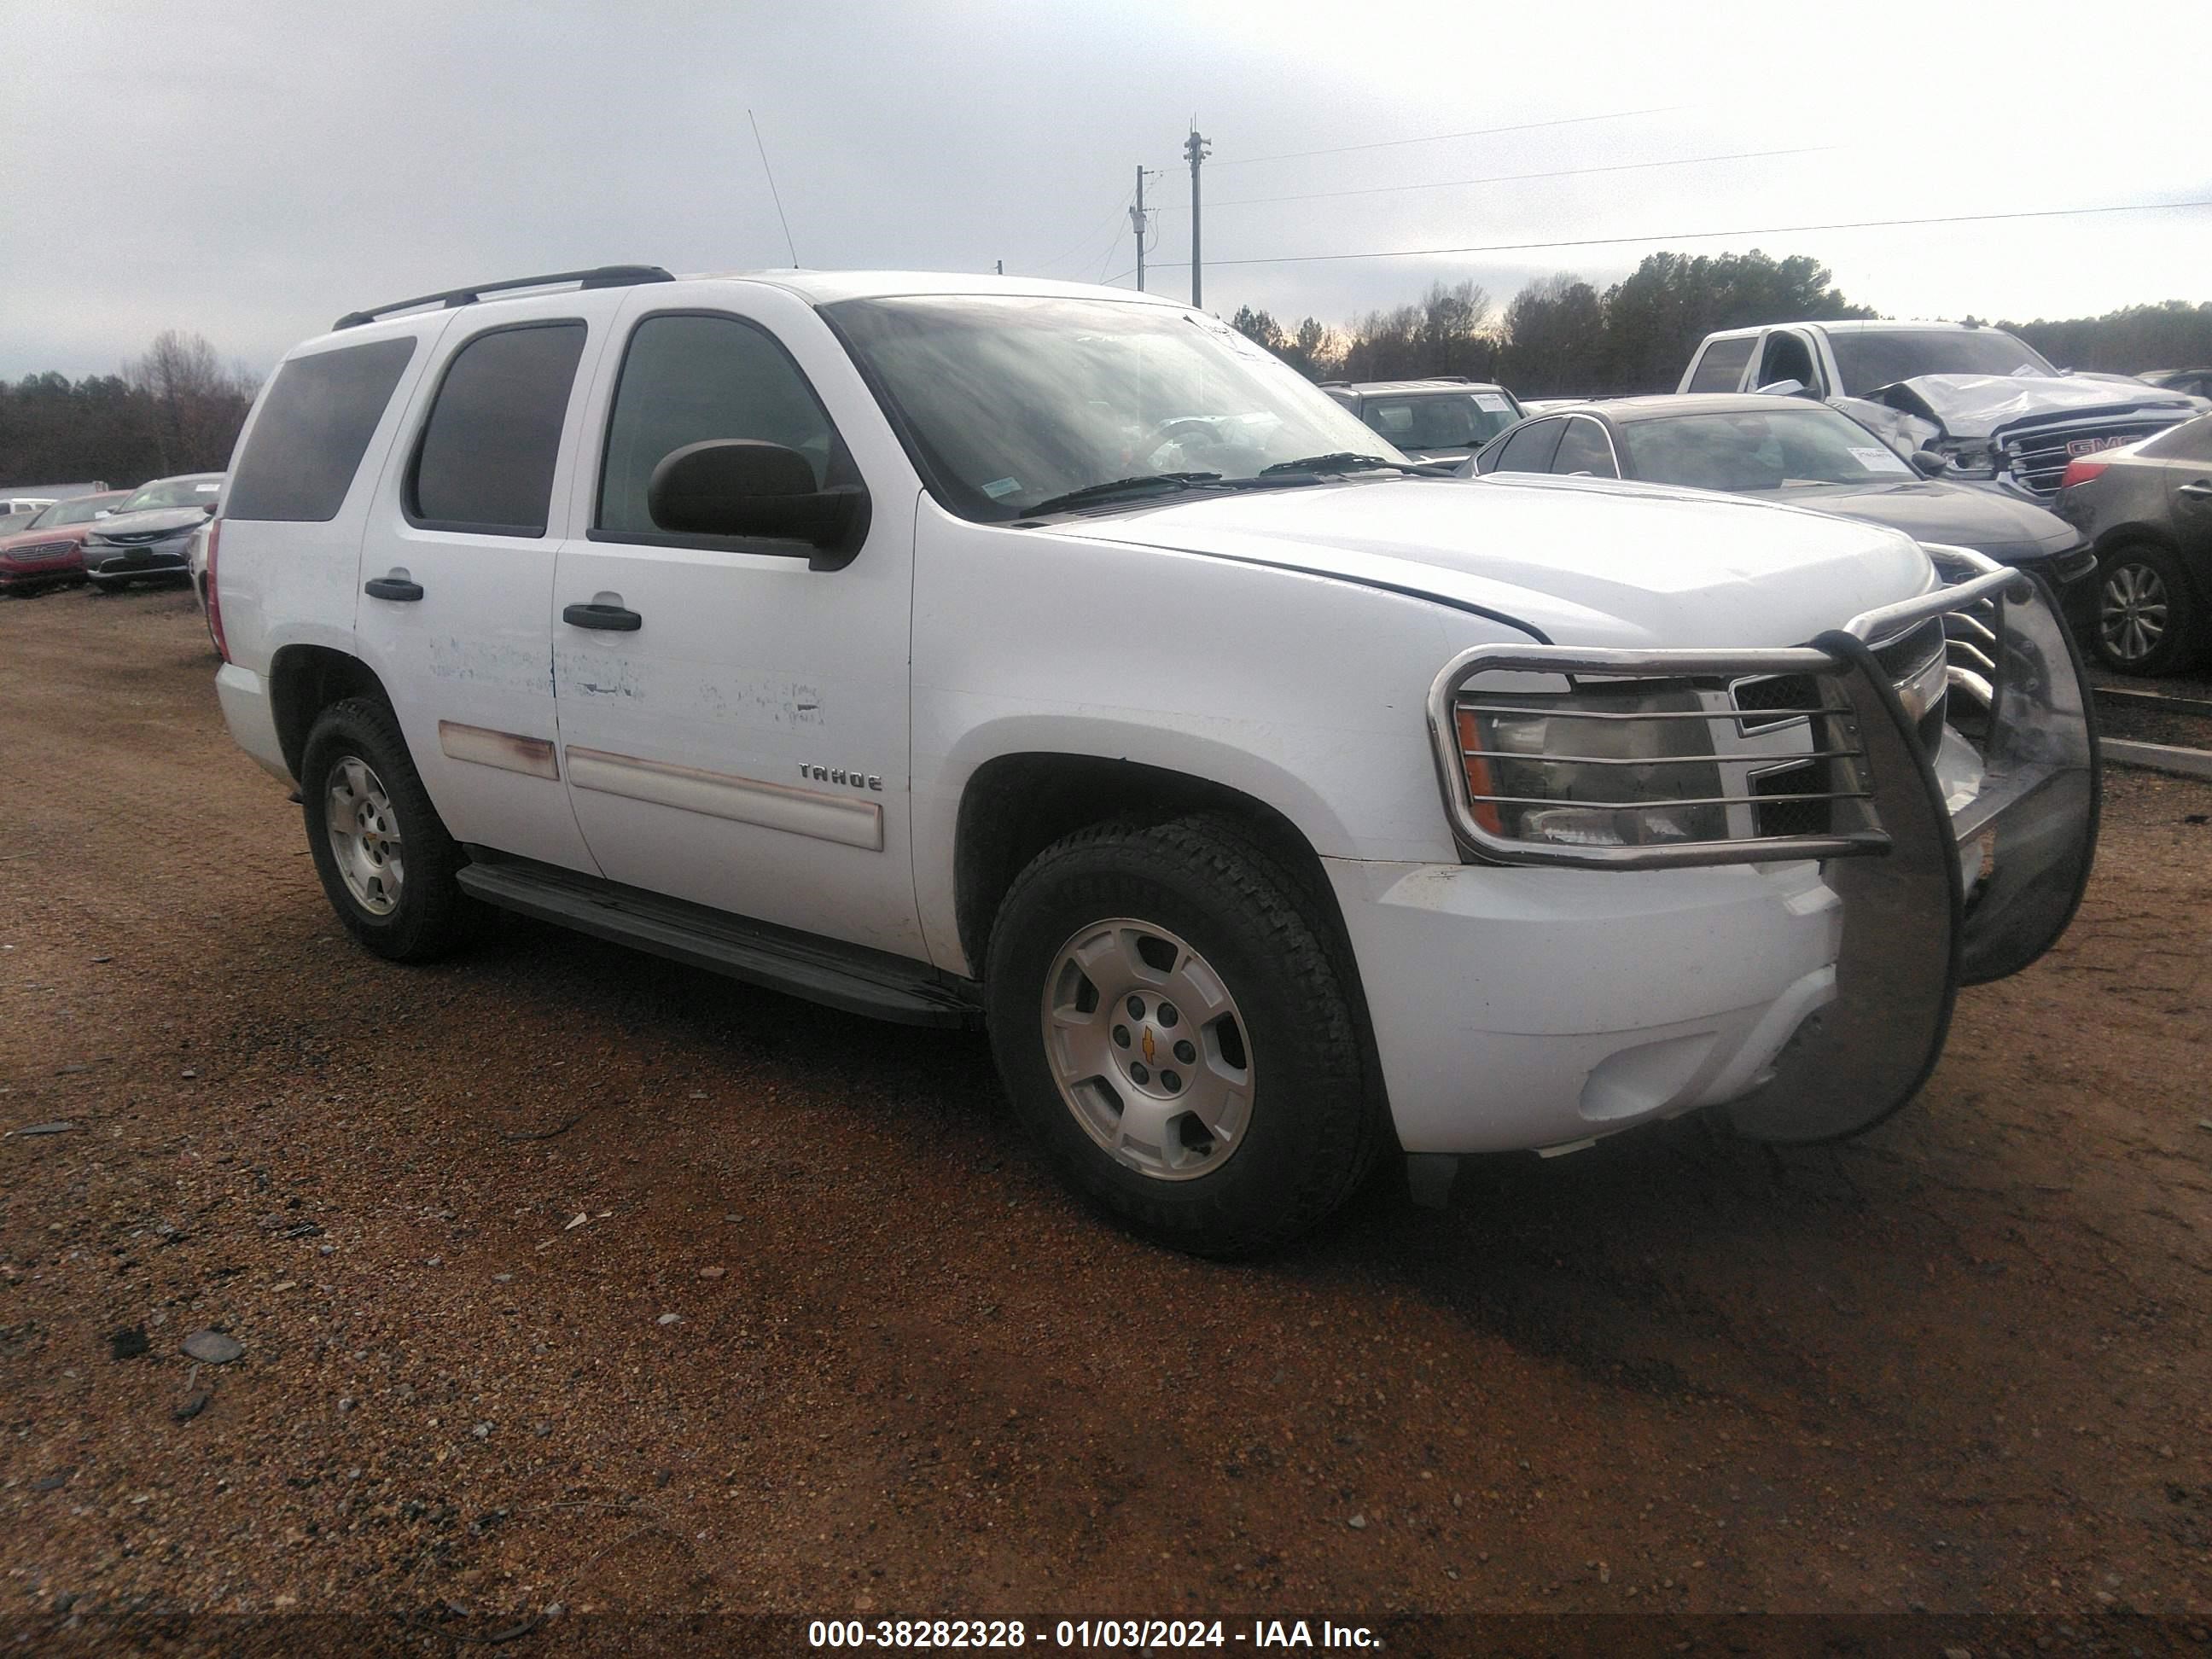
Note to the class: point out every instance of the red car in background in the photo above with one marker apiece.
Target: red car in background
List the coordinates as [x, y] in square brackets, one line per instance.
[50, 548]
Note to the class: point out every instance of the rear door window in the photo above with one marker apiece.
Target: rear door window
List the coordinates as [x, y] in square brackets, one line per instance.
[1585, 448]
[314, 427]
[486, 459]
[1530, 449]
[1723, 365]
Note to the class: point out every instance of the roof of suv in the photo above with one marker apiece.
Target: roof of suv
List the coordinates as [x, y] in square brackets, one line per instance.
[1858, 325]
[1395, 388]
[817, 288]
[828, 287]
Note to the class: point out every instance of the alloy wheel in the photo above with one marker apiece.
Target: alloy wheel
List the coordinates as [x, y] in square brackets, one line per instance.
[1148, 1047]
[2133, 611]
[364, 834]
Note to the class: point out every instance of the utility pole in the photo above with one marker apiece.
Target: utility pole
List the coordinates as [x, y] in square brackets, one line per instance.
[1137, 224]
[1002, 267]
[1198, 149]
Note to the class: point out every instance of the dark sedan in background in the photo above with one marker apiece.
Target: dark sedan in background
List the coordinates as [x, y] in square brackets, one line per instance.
[1793, 450]
[2146, 511]
[146, 536]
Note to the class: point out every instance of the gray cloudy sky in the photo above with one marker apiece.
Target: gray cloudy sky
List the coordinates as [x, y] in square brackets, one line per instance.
[250, 170]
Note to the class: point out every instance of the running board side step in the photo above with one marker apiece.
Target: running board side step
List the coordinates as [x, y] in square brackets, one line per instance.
[847, 978]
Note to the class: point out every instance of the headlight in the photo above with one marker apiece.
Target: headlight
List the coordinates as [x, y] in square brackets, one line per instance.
[1629, 765]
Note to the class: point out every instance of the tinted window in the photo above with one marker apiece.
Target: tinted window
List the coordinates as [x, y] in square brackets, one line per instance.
[2189, 441]
[1787, 357]
[1529, 449]
[315, 422]
[688, 379]
[1585, 448]
[488, 452]
[1722, 366]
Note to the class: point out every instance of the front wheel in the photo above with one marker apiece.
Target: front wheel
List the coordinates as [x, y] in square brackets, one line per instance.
[386, 861]
[1175, 1032]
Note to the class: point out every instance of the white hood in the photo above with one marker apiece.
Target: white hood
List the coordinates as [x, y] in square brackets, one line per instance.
[1970, 406]
[1577, 560]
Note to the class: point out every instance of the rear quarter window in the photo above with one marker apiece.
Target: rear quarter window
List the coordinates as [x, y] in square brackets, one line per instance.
[1723, 365]
[312, 429]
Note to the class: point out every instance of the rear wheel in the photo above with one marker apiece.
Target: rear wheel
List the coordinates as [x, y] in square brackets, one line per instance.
[385, 859]
[2147, 620]
[1173, 1030]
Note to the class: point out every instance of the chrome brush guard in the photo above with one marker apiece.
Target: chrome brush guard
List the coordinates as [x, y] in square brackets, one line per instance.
[1915, 925]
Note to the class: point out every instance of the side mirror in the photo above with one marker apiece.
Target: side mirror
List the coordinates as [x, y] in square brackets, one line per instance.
[744, 487]
[208, 507]
[1930, 464]
[1782, 389]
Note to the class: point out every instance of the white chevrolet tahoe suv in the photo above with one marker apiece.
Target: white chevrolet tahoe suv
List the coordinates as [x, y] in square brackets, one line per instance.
[953, 649]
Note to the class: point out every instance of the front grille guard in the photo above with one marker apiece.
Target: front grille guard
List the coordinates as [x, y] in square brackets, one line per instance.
[1916, 924]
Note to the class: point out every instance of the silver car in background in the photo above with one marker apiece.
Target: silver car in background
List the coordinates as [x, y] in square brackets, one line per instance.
[146, 538]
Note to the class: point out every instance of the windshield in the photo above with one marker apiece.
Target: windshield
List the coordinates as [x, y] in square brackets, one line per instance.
[1013, 401]
[1868, 358]
[172, 492]
[1444, 420]
[82, 510]
[1787, 448]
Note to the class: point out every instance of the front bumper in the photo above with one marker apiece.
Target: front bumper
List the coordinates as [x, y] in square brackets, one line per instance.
[14, 577]
[110, 565]
[1806, 980]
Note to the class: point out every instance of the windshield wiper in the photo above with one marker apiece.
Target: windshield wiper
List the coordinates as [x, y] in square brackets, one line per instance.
[1099, 492]
[1340, 460]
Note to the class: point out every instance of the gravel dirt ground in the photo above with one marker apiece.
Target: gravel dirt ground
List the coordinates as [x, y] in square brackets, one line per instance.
[566, 1276]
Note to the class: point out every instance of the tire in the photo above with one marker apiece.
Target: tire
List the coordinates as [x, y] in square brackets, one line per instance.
[1181, 911]
[355, 769]
[2146, 618]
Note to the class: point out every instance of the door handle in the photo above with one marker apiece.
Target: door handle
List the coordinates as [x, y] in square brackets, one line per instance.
[611, 617]
[2200, 488]
[392, 587]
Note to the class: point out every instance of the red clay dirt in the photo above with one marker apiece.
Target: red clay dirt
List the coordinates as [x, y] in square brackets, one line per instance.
[1960, 1364]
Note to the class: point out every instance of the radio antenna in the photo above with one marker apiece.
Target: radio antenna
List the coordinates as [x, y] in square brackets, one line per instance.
[772, 190]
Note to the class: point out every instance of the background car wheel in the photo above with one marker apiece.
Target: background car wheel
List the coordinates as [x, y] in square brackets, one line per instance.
[1176, 1034]
[384, 855]
[2146, 621]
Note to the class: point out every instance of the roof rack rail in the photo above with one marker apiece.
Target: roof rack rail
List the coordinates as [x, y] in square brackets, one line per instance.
[599, 277]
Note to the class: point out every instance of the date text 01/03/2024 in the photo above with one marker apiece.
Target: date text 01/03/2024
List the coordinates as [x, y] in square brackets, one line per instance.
[1138, 1634]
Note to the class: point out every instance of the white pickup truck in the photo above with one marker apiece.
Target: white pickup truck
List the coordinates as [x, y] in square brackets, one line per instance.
[951, 649]
[1973, 404]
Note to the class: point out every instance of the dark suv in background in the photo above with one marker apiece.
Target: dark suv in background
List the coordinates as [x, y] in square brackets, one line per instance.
[1443, 419]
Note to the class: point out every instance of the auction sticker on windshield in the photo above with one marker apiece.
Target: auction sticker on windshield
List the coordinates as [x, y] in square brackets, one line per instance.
[1879, 460]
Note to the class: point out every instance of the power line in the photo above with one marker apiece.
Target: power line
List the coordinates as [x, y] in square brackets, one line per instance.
[1441, 137]
[1707, 235]
[1089, 240]
[1515, 178]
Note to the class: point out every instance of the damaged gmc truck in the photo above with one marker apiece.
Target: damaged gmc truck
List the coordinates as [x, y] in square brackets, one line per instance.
[968, 651]
[1979, 404]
